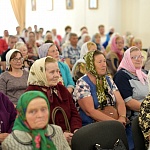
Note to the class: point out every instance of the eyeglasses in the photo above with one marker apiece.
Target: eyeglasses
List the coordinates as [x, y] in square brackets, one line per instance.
[18, 59]
[137, 57]
[119, 42]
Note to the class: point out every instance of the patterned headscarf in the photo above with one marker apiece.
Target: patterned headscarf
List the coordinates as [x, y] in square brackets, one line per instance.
[127, 64]
[37, 74]
[8, 55]
[100, 89]
[144, 119]
[43, 49]
[40, 139]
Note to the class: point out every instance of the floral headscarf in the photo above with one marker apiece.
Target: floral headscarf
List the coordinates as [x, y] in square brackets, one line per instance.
[40, 139]
[144, 119]
[37, 75]
[127, 64]
[100, 89]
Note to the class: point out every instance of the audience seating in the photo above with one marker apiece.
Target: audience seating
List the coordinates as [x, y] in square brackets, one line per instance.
[138, 137]
[104, 133]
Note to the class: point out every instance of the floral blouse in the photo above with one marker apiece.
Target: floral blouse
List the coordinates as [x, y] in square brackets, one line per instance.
[82, 90]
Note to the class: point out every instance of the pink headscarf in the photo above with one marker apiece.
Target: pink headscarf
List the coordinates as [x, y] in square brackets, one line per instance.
[115, 49]
[127, 64]
[114, 45]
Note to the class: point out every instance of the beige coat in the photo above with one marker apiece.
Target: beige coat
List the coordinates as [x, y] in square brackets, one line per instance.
[20, 140]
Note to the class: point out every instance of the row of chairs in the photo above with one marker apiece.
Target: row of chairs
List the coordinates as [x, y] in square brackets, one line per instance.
[105, 134]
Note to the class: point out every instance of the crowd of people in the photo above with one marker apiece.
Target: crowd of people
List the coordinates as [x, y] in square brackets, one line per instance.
[51, 85]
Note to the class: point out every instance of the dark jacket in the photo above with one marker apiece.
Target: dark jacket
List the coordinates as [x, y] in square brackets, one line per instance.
[7, 114]
[65, 101]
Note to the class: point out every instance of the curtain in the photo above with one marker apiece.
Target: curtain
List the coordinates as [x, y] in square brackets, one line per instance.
[19, 11]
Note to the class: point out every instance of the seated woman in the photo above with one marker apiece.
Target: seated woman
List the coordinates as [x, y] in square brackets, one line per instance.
[138, 43]
[97, 40]
[115, 55]
[79, 68]
[31, 129]
[50, 49]
[7, 116]
[27, 63]
[14, 80]
[132, 83]
[44, 76]
[144, 120]
[84, 38]
[96, 90]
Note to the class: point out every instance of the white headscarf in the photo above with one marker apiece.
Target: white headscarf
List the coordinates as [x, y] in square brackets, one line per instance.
[8, 55]
[84, 50]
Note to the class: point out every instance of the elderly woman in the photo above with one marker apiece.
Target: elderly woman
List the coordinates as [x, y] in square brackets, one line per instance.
[144, 120]
[21, 46]
[44, 76]
[97, 40]
[95, 91]
[79, 68]
[31, 129]
[138, 43]
[85, 38]
[50, 49]
[115, 55]
[132, 83]
[7, 116]
[14, 80]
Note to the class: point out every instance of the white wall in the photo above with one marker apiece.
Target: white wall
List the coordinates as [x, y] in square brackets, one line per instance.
[136, 18]
[124, 15]
[77, 17]
[7, 17]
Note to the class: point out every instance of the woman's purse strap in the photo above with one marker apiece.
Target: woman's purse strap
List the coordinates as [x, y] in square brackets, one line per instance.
[55, 110]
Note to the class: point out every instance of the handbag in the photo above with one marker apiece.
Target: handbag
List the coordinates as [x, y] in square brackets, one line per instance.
[110, 111]
[55, 110]
[119, 145]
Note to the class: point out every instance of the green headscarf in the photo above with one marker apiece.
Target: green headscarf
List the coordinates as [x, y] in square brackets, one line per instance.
[40, 140]
[90, 67]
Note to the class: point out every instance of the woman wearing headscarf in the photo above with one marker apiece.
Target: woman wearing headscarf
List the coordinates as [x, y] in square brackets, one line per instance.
[79, 68]
[13, 82]
[27, 63]
[132, 83]
[95, 91]
[50, 49]
[85, 38]
[144, 120]
[115, 55]
[31, 129]
[44, 76]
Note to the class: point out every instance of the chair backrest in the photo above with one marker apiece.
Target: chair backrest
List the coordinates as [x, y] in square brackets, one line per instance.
[104, 133]
[138, 137]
